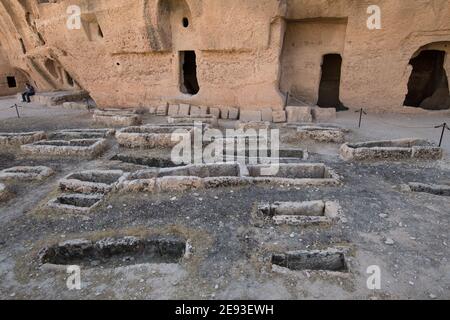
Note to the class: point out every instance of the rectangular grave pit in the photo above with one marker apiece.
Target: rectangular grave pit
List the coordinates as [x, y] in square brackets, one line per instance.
[391, 150]
[26, 173]
[116, 118]
[329, 260]
[149, 137]
[115, 252]
[85, 148]
[300, 213]
[75, 203]
[434, 189]
[91, 181]
[77, 134]
[293, 174]
[325, 134]
[21, 138]
[153, 162]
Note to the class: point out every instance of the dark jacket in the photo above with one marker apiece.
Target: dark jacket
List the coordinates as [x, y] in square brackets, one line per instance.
[30, 89]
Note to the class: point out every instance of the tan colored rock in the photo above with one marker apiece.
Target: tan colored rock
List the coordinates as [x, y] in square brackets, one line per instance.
[266, 114]
[83, 148]
[162, 110]
[256, 125]
[279, 116]
[215, 112]
[116, 118]
[151, 110]
[173, 109]
[75, 105]
[4, 193]
[224, 113]
[299, 114]
[233, 113]
[250, 115]
[323, 114]
[199, 111]
[24, 173]
[184, 109]
[17, 139]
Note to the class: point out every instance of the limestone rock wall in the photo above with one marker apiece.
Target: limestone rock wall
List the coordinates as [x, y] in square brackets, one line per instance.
[248, 52]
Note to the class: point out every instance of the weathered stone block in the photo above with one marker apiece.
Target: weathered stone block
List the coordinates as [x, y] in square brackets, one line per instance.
[224, 113]
[148, 137]
[17, 139]
[151, 110]
[215, 112]
[198, 111]
[55, 98]
[75, 105]
[91, 181]
[250, 115]
[233, 113]
[255, 125]
[391, 150]
[116, 118]
[299, 114]
[266, 114]
[323, 114]
[4, 194]
[86, 148]
[279, 116]
[162, 110]
[173, 109]
[25, 173]
[184, 109]
[75, 203]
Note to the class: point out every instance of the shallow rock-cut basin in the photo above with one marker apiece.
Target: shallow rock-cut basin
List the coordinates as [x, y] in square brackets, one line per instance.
[438, 190]
[71, 134]
[152, 136]
[300, 213]
[4, 194]
[145, 161]
[75, 203]
[293, 171]
[17, 139]
[78, 147]
[330, 260]
[114, 252]
[402, 149]
[24, 173]
[91, 181]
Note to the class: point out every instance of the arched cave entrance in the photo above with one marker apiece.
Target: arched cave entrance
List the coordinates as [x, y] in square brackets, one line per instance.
[428, 83]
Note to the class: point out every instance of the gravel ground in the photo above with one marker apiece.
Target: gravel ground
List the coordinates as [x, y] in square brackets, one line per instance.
[231, 255]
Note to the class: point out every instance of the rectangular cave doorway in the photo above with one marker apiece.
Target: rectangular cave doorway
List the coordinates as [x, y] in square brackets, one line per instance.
[12, 83]
[428, 84]
[330, 82]
[189, 82]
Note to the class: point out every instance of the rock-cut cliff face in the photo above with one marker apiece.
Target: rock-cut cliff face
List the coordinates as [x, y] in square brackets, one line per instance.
[237, 53]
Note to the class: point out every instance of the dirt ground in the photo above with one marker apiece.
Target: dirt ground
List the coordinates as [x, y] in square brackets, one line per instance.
[405, 234]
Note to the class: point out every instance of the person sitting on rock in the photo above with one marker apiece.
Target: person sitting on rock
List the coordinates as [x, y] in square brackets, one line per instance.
[29, 91]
